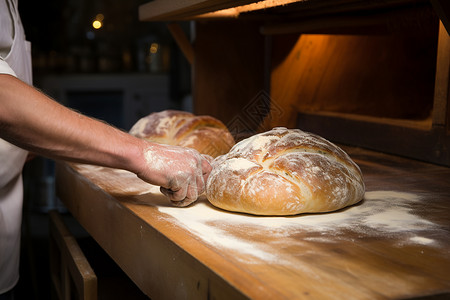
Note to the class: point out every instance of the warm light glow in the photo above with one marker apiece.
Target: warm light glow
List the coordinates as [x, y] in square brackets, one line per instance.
[234, 12]
[97, 24]
[154, 48]
[99, 17]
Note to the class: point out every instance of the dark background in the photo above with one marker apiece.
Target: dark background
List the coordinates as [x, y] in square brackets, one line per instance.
[64, 45]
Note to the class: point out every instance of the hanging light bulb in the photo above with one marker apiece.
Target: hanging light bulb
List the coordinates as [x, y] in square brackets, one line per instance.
[97, 24]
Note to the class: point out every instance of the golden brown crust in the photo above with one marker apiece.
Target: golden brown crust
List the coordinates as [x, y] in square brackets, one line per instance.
[284, 172]
[203, 133]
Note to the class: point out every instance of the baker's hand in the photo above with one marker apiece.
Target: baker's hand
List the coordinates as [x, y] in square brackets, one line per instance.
[181, 172]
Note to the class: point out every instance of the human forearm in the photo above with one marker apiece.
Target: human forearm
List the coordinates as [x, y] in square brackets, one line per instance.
[35, 122]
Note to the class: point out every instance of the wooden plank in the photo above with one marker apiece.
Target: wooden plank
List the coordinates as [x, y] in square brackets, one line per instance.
[182, 41]
[395, 244]
[80, 271]
[391, 137]
[342, 25]
[442, 83]
[161, 268]
[158, 10]
[237, 11]
[75, 269]
[442, 8]
[408, 19]
[320, 8]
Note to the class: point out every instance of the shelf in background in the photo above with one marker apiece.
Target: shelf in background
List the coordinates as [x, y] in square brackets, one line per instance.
[413, 139]
[160, 10]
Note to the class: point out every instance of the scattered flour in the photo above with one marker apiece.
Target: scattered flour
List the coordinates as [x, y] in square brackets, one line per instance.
[386, 214]
[116, 181]
[421, 240]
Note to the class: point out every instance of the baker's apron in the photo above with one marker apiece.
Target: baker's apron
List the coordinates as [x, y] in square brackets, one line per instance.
[12, 158]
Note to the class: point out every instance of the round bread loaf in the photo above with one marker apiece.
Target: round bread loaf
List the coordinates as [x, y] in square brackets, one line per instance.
[284, 172]
[178, 128]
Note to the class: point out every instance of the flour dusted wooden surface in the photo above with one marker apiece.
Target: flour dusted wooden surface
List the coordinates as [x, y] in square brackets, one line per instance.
[395, 244]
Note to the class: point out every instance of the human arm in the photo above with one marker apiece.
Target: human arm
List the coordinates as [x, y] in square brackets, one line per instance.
[33, 121]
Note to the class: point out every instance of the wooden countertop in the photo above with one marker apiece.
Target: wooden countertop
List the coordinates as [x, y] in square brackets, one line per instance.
[395, 244]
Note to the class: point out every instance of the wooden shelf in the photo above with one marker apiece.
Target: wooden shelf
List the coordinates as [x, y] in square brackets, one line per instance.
[160, 10]
[276, 10]
[413, 139]
[393, 245]
[424, 125]
[369, 62]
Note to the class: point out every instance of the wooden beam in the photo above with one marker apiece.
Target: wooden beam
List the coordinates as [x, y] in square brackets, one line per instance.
[182, 41]
[442, 8]
[69, 267]
[441, 91]
[162, 10]
[408, 141]
[158, 10]
[414, 18]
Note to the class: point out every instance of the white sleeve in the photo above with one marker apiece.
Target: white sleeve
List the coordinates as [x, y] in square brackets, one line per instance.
[5, 68]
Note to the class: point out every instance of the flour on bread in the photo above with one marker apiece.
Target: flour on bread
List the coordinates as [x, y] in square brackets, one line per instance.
[178, 128]
[284, 172]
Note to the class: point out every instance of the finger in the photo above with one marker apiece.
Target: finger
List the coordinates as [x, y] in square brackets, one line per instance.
[206, 166]
[205, 176]
[174, 195]
[192, 192]
[200, 184]
[191, 196]
[166, 192]
[205, 181]
[208, 158]
[182, 203]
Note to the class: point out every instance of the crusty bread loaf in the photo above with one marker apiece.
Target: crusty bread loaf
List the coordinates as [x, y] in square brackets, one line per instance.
[172, 127]
[284, 172]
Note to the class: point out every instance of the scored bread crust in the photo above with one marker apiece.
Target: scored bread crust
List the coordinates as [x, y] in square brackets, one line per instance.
[284, 172]
[178, 128]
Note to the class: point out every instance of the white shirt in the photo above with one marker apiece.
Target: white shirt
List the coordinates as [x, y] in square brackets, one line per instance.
[15, 59]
